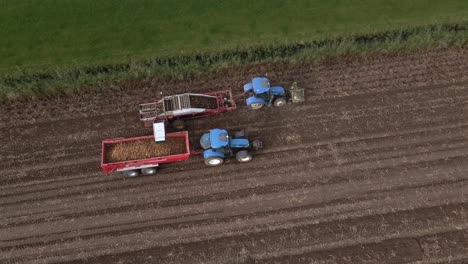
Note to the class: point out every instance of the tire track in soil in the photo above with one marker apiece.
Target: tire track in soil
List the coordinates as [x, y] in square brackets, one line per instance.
[376, 139]
[452, 188]
[81, 189]
[309, 238]
[35, 196]
[97, 152]
[369, 195]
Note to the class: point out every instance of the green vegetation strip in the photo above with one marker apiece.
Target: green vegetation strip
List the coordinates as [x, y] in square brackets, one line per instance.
[73, 80]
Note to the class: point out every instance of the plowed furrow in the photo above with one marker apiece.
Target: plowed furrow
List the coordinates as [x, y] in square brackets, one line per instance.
[396, 224]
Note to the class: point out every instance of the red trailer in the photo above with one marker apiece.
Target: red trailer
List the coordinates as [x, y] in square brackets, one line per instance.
[143, 155]
[184, 106]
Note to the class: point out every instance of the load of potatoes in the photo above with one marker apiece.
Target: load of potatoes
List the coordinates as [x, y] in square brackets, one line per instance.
[144, 149]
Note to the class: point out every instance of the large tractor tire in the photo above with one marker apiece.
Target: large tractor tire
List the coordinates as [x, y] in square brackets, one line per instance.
[243, 156]
[148, 171]
[131, 173]
[280, 102]
[214, 161]
[256, 106]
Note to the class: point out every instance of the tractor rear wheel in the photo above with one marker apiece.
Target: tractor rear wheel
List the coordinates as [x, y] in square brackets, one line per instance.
[243, 156]
[280, 102]
[214, 161]
[131, 173]
[148, 171]
[256, 106]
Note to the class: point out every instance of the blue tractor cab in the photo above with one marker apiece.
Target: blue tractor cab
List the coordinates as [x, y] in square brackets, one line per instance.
[218, 145]
[261, 93]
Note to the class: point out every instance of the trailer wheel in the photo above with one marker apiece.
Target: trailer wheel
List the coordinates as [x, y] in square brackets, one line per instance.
[243, 156]
[214, 161]
[256, 106]
[280, 102]
[148, 171]
[178, 124]
[132, 173]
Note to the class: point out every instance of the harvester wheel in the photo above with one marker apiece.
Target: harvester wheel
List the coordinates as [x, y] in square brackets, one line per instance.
[256, 106]
[280, 102]
[148, 171]
[178, 124]
[132, 173]
[243, 156]
[214, 161]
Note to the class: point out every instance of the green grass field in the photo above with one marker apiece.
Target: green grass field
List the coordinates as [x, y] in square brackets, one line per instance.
[56, 33]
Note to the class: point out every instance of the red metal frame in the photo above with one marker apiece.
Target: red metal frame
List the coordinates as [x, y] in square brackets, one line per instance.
[221, 108]
[240, 97]
[110, 167]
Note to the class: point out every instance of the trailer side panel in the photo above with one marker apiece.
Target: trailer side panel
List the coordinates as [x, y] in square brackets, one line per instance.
[109, 165]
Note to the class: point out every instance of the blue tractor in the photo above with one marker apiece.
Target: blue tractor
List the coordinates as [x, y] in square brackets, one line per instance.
[218, 145]
[261, 94]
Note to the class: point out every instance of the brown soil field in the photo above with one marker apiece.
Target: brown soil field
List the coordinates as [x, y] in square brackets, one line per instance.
[372, 168]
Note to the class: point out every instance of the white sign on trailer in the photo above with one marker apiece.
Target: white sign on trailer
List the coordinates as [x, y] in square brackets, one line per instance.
[159, 131]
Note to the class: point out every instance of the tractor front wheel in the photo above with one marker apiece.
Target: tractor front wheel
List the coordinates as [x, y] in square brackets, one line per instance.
[256, 106]
[280, 102]
[214, 161]
[243, 156]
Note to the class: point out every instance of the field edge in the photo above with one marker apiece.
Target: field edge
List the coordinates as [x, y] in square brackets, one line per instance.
[31, 85]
